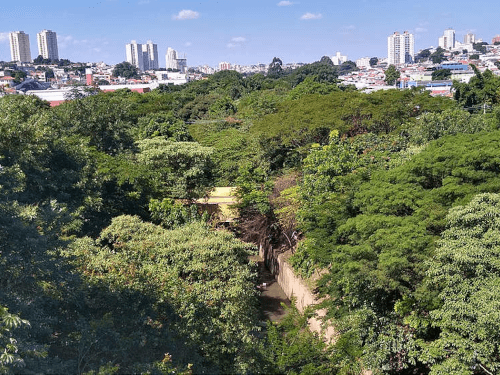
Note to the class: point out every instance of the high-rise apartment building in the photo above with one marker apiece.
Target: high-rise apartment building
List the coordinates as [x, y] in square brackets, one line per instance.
[171, 59]
[150, 51]
[47, 44]
[338, 59]
[447, 41]
[469, 38]
[224, 65]
[20, 46]
[142, 56]
[135, 55]
[400, 48]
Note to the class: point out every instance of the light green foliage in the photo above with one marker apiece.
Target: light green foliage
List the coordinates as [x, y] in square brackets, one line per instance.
[253, 189]
[162, 124]
[232, 147]
[171, 214]
[376, 236]
[466, 271]
[310, 86]
[292, 348]
[202, 275]
[430, 126]
[9, 356]
[222, 107]
[183, 169]
[391, 75]
[259, 103]
[331, 175]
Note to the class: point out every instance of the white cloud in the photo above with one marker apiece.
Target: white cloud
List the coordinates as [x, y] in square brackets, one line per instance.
[284, 3]
[238, 39]
[186, 14]
[143, 2]
[64, 41]
[4, 37]
[188, 44]
[421, 30]
[311, 16]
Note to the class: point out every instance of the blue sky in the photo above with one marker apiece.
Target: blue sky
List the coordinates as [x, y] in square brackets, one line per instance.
[242, 31]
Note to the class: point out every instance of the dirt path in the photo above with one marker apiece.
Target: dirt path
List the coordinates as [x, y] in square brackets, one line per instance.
[271, 295]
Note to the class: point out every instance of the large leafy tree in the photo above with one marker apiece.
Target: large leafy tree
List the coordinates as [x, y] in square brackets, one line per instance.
[482, 90]
[437, 56]
[104, 120]
[179, 169]
[125, 70]
[391, 75]
[466, 271]
[275, 69]
[441, 74]
[372, 219]
[192, 280]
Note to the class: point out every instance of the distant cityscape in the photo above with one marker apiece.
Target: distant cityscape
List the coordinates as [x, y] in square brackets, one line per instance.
[46, 73]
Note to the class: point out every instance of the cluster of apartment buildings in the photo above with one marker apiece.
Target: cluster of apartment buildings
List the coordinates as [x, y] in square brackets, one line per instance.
[20, 50]
[145, 57]
[400, 52]
[401, 47]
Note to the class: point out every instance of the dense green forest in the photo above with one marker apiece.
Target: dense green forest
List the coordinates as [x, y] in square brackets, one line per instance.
[107, 265]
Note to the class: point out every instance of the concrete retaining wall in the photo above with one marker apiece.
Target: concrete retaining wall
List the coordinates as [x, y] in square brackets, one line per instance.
[294, 286]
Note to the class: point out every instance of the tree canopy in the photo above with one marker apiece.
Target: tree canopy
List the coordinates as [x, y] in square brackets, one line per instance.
[466, 272]
[125, 70]
[391, 75]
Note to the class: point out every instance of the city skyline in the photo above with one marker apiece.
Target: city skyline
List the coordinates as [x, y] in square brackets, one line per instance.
[243, 33]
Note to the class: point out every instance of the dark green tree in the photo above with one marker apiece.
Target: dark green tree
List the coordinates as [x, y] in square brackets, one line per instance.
[19, 76]
[125, 70]
[480, 47]
[438, 56]
[423, 55]
[373, 61]
[391, 75]
[441, 74]
[275, 69]
[482, 90]
[347, 67]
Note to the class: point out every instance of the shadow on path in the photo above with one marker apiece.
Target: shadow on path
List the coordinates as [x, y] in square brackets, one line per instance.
[271, 294]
